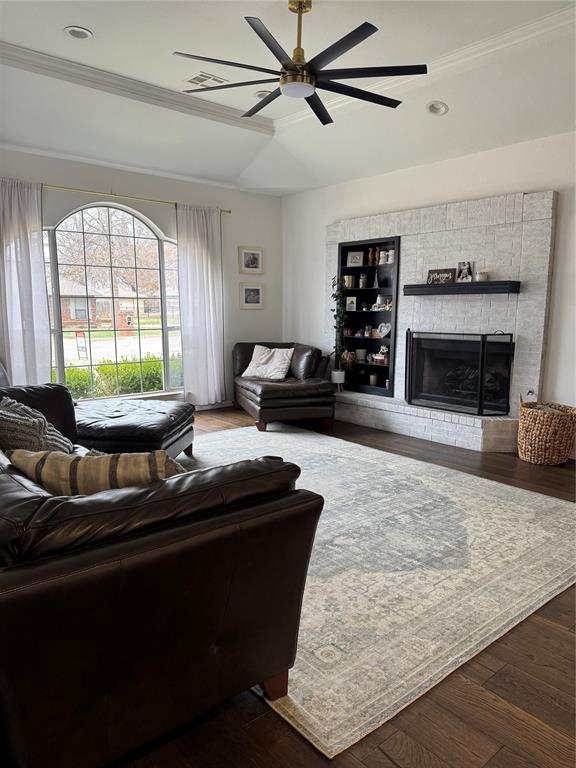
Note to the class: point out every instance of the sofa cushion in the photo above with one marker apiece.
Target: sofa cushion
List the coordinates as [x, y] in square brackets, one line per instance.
[25, 427]
[66, 524]
[53, 400]
[271, 364]
[65, 475]
[140, 425]
[289, 388]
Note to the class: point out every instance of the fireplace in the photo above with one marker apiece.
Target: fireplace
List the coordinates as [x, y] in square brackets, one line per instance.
[461, 372]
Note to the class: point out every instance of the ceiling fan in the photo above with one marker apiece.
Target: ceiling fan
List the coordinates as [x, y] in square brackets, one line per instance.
[300, 79]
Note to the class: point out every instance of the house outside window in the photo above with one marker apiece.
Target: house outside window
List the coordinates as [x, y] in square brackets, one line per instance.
[112, 282]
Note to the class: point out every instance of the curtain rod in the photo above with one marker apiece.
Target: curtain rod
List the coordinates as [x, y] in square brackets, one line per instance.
[124, 197]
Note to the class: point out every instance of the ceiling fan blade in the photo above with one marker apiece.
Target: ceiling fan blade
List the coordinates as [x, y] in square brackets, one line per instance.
[271, 43]
[231, 85]
[227, 63]
[263, 103]
[350, 40]
[319, 109]
[357, 93]
[343, 74]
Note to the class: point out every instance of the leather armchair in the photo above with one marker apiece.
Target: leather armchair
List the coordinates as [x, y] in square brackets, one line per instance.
[304, 394]
[127, 613]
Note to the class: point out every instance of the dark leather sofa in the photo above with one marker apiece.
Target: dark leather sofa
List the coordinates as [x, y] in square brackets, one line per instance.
[304, 394]
[125, 614]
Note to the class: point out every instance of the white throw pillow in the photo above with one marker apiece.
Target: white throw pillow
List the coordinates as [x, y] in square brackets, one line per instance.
[269, 363]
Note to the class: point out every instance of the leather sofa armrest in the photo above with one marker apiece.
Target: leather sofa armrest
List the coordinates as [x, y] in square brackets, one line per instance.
[66, 524]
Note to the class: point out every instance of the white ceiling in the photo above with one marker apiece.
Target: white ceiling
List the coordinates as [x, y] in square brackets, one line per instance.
[505, 68]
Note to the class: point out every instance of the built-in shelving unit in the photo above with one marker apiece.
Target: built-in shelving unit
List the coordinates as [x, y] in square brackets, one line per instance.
[446, 289]
[381, 280]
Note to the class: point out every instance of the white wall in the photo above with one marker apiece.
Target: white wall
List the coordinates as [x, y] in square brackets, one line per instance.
[255, 220]
[528, 167]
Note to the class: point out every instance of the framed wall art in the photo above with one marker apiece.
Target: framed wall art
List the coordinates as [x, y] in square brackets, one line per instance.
[251, 296]
[250, 260]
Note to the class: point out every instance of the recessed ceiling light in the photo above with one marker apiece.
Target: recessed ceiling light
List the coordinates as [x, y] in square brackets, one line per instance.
[262, 94]
[437, 108]
[79, 33]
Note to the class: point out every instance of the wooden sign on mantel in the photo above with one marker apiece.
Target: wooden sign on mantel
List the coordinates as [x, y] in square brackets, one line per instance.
[441, 276]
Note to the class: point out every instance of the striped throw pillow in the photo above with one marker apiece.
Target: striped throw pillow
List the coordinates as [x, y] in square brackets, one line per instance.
[25, 427]
[64, 475]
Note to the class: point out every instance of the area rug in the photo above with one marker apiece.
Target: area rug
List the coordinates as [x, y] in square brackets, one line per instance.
[415, 569]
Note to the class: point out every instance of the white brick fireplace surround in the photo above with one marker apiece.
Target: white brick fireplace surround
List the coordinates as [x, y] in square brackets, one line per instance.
[509, 236]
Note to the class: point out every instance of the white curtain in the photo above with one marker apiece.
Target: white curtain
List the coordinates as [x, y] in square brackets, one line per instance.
[24, 320]
[201, 305]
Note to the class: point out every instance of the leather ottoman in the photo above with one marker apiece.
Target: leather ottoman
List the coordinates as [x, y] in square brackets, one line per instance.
[136, 426]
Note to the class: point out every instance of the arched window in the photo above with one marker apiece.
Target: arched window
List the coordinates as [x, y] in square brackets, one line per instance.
[114, 310]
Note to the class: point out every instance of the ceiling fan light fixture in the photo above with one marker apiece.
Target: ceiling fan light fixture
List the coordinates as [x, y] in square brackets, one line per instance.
[297, 85]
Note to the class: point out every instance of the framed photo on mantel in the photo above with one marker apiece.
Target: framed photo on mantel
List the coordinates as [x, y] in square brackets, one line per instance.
[441, 276]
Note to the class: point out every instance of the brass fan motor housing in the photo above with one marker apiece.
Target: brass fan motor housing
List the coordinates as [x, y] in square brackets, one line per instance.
[297, 77]
[300, 6]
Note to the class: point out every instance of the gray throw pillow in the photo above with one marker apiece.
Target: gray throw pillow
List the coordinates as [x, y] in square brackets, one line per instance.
[26, 428]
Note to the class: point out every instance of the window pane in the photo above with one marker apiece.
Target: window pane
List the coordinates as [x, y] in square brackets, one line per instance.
[170, 255]
[96, 220]
[105, 381]
[126, 313]
[122, 251]
[128, 346]
[70, 248]
[149, 282]
[48, 281]
[46, 245]
[152, 376]
[175, 347]
[76, 350]
[103, 347]
[147, 253]
[97, 250]
[171, 282]
[141, 230]
[121, 223]
[124, 281]
[151, 345]
[173, 311]
[72, 280]
[129, 380]
[150, 313]
[74, 313]
[101, 317]
[99, 283]
[79, 380]
[72, 223]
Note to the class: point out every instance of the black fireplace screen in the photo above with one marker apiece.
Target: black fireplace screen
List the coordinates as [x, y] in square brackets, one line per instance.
[463, 372]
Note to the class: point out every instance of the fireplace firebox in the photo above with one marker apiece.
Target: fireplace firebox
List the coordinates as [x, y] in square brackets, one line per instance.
[461, 372]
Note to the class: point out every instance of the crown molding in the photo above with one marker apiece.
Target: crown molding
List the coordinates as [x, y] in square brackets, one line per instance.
[47, 65]
[41, 152]
[457, 60]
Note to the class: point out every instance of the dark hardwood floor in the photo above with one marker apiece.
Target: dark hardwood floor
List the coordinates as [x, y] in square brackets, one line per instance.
[512, 706]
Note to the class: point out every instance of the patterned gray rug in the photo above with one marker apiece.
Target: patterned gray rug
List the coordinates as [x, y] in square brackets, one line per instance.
[415, 569]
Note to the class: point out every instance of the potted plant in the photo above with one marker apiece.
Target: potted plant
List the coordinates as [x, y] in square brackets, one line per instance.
[339, 312]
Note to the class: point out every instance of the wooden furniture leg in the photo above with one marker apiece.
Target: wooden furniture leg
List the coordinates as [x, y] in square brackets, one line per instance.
[188, 450]
[276, 687]
[261, 426]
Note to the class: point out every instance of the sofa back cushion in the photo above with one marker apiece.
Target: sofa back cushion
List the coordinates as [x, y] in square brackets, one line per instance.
[53, 400]
[305, 359]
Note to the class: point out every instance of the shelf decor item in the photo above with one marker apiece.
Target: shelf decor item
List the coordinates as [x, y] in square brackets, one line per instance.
[363, 281]
[464, 273]
[546, 432]
[250, 259]
[355, 259]
[481, 276]
[441, 276]
[351, 303]
[349, 281]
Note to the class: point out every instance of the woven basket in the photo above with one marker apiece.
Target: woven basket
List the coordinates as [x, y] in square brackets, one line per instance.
[546, 438]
